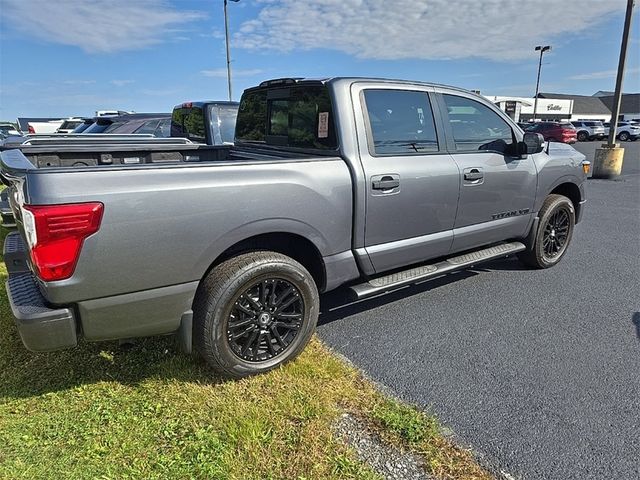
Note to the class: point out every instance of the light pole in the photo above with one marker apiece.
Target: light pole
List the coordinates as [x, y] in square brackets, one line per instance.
[542, 49]
[226, 38]
[608, 159]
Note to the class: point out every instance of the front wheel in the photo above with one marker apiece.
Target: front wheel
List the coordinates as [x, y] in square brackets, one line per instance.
[583, 136]
[624, 136]
[254, 312]
[555, 229]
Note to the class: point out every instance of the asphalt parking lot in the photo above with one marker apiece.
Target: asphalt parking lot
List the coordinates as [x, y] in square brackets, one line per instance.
[537, 371]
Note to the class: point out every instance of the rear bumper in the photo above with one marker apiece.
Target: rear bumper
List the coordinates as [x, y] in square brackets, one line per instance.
[45, 327]
[42, 327]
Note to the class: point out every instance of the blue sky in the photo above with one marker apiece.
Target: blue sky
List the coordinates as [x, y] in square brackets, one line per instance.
[71, 57]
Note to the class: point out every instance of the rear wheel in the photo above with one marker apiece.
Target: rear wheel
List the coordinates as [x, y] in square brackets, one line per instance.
[555, 229]
[583, 136]
[254, 312]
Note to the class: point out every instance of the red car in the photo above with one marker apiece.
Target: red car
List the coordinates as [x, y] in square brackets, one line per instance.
[555, 131]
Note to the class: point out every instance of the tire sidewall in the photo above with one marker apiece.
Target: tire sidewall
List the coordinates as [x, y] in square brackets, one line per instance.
[560, 202]
[238, 283]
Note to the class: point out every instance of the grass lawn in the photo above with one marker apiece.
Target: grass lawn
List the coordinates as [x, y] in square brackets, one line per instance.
[99, 411]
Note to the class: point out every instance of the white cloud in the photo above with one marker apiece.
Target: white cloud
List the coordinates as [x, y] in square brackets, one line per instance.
[433, 29]
[603, 74]
[96, 26]
[222, 72]
[121, 83]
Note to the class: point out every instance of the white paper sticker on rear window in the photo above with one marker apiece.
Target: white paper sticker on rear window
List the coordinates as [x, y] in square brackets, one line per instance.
[323, 124]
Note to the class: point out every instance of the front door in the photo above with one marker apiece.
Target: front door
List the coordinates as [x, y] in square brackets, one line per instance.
[497, 187]
[412, 182]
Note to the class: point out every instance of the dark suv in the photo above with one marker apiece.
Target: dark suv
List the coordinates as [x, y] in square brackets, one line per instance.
[158, 124]
[555, 131]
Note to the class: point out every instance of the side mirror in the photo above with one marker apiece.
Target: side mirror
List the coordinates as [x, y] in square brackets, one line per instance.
[531, 143]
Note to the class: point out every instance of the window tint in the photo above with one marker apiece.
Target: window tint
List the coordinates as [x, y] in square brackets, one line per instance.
[476, 127]
[164, 129]
[299, 117]
[188, 122]
[148, 127]
[113, 126]
[401, 122]
[99, 127]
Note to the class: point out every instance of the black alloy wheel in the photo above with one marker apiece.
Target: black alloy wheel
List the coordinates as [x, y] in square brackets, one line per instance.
[265, 319]
[552, 237]
[254, 312]
[556, 233]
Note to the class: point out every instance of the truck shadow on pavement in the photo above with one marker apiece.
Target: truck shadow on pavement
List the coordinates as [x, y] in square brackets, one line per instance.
[342, 303]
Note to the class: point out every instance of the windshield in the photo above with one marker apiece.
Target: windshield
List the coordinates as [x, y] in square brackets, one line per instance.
[297, 116]
[223, 123]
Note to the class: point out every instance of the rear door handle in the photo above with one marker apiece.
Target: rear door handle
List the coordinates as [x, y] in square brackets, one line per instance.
[473, 174]
[385, 182]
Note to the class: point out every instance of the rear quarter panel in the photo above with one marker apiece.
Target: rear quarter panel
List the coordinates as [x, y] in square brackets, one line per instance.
[166, 225]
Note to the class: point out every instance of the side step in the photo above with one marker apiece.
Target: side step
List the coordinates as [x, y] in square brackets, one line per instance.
[426, 272]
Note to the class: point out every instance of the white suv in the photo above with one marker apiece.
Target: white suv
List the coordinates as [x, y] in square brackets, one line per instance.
[625, 131]
[589, 130]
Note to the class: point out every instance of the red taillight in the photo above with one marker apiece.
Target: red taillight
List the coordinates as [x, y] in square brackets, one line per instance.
[31, 129]
[55, 234]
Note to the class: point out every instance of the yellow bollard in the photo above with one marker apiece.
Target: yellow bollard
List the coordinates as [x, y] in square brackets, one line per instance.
[608, 161]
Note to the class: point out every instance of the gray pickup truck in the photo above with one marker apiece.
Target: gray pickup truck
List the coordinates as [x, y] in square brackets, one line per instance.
[369, 183]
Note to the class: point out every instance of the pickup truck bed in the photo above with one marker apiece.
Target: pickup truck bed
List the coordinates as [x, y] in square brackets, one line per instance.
[369, 183]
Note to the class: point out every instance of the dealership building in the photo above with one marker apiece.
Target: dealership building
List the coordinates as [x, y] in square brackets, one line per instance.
[562, 107]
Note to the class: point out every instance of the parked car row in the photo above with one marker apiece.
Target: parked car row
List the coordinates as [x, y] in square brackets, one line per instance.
[582, 130]
[210, 122]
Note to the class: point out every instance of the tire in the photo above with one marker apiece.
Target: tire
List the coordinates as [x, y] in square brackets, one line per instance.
[556, 215]
[248, 293]
[624, 136]
[583, 136]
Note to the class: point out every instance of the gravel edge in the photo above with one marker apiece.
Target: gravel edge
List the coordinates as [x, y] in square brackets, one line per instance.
[386, 460]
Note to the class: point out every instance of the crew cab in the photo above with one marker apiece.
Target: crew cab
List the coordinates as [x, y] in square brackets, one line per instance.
[370, 184]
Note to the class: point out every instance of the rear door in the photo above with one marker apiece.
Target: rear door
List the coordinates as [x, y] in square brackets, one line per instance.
[412, 182]
[497, 187]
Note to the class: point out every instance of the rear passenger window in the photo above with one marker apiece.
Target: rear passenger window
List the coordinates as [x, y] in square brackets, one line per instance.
[476, 127]
[401, 122]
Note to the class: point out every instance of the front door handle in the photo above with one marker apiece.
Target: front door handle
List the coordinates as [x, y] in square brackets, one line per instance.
[385, 182]
[473, 175]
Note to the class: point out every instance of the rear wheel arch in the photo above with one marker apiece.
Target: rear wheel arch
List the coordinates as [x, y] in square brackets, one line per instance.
[295, 246]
